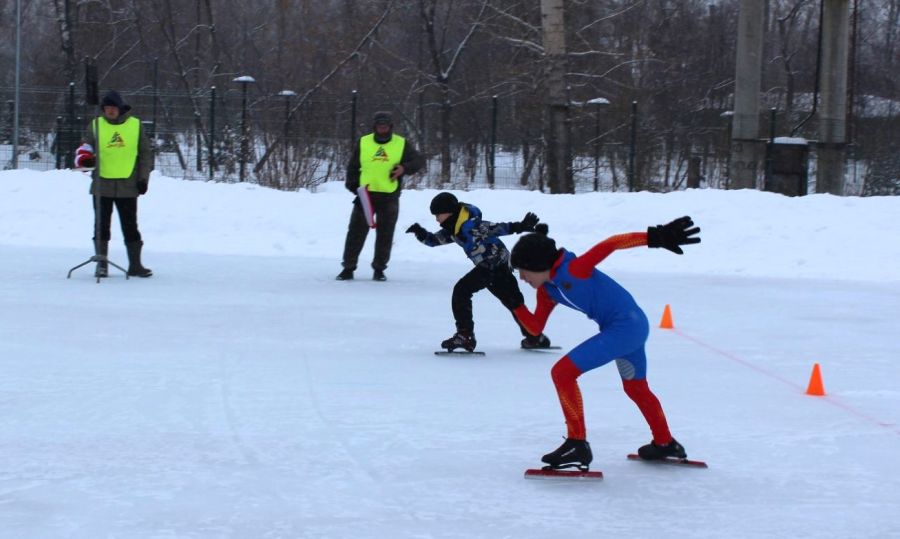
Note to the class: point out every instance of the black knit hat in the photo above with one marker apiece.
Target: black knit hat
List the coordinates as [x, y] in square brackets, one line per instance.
[113, 99]
[534, 252]
[382, 117]
[444, 203]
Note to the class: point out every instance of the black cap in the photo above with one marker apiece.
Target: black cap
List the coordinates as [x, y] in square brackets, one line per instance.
[113, 99]
[382, 117]
[444, 203]
[534, 252]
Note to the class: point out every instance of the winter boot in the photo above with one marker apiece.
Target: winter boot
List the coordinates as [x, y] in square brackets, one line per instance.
[378, 275]
[135, 269]
[101, 248]
[346, 274]
[571, 454]
[538, 341]
[460, 339]
[652, 451]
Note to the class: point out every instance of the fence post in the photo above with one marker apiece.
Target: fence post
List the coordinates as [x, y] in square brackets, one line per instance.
[597, 149]
[212, 132]
[770, 148]
[353, 116]
[492, 162]
[155, 93]
[69, 147]
[632, 146]
[58, 142]
[244, 81]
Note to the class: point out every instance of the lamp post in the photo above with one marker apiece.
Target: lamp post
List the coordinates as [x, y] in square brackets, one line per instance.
[287, 95]
[244, 81]
[599, 102]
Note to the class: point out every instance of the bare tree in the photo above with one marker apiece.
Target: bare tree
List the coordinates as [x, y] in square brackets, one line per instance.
[445, 59]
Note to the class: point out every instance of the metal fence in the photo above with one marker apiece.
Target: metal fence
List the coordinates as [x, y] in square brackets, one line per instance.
[234, 134]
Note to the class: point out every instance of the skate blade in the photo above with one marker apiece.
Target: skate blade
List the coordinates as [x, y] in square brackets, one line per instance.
[458, 353]
[563, 475]
[670, 460]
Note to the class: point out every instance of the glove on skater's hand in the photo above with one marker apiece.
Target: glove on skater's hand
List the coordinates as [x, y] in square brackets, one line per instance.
[142, 188]
[526, 224]
[417, 229]
[671, 235]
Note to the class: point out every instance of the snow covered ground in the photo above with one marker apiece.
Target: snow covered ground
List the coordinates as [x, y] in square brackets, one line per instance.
[241, 392]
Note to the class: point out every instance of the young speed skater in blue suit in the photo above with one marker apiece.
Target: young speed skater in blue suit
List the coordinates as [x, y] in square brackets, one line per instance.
[560, 277]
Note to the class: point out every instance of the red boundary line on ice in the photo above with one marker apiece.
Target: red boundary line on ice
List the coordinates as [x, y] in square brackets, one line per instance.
[830, 400]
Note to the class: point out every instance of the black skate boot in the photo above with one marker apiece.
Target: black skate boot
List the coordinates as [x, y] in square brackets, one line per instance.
[539, 341]
[652, 451]
[466, 341]
[345, 275]
[571, 454]
[378, 275]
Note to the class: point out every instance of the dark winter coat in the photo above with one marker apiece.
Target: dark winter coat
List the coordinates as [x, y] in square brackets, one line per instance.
[411, 160]
[128, 187]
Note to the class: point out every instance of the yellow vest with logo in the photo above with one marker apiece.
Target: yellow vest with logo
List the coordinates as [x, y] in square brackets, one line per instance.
[377, 160]
[117, 147]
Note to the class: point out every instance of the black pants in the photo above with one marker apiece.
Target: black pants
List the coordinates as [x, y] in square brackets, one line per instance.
[386, 208]
[500, 282]
[127, 210]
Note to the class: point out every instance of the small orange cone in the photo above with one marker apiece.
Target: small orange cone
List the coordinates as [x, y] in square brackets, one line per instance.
[816, 388]
[666, 322]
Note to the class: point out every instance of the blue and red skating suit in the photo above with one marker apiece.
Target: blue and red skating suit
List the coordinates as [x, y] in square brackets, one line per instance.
[575, 283]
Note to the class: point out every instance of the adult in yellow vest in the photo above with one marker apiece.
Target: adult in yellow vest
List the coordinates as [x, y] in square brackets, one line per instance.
[123, 160]
[379, 162]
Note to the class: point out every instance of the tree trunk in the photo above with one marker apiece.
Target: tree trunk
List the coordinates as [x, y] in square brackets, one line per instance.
[559, 148]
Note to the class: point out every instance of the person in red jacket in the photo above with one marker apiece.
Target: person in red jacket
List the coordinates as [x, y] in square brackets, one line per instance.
[561, 277]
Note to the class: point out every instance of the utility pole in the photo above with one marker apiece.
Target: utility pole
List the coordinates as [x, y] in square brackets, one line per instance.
[745, 142]
[15, 134]
[833, 113]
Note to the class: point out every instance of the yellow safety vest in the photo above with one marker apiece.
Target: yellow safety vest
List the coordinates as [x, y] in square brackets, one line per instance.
[377, 160]
[117, 147]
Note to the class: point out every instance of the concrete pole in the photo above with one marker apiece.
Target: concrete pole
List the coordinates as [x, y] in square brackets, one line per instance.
[833, 109]
[746, 148]
[15, 134]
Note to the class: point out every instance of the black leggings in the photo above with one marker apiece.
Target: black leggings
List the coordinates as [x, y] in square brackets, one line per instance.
[127, 209]
[500, 282]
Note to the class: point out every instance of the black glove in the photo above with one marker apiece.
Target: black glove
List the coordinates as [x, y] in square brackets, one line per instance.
[142, 188]
[526, 224]
[417, 229]
[670, 236]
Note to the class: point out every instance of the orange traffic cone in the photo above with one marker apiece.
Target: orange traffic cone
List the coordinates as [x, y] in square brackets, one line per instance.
[666, 322]
[816, 388]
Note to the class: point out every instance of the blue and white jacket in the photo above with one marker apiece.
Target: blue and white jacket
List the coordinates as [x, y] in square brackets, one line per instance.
[478, 238]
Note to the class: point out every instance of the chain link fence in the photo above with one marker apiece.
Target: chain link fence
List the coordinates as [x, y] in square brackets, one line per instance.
[290, 142]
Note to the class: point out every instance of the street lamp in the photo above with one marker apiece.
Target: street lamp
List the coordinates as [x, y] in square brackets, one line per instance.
[287, 95]
[244, 81]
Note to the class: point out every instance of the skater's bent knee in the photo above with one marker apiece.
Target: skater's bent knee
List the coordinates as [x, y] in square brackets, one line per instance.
[564, 370]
